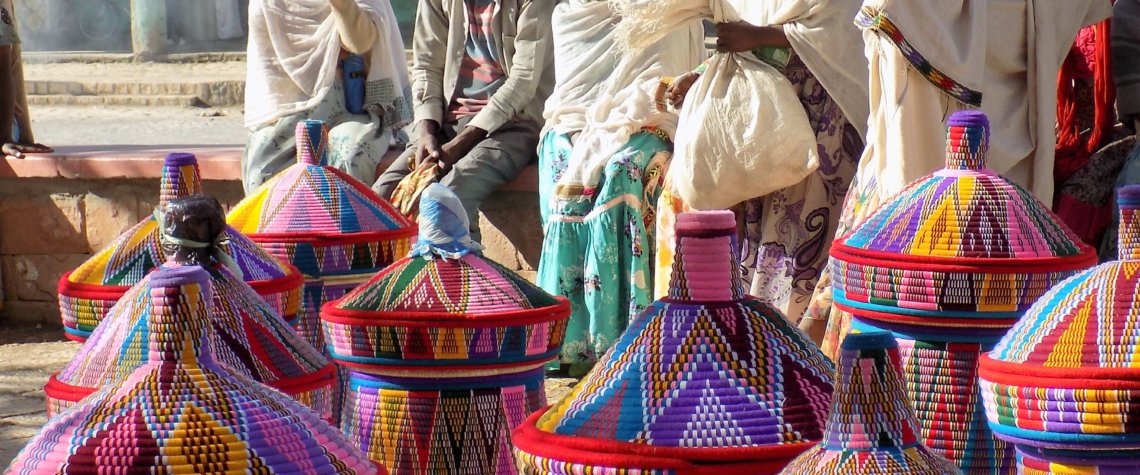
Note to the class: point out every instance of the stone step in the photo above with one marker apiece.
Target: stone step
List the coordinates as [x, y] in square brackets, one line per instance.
[126, 101]
[210, 93]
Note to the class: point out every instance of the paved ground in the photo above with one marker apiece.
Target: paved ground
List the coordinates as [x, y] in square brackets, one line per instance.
[74, 125]
[99, 125]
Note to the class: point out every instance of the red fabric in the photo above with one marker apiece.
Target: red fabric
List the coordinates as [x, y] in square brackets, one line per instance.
[1086, 220]
[1089, 55]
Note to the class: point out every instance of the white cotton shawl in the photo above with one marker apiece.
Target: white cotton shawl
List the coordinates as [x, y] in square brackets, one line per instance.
[821, 33]
[292, 56]
[603, 96]
[1008, 50]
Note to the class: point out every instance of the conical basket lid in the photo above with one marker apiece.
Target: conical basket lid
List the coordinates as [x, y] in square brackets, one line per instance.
[247, 337]
[493, 316]
[182, 412]
[87, 293]
[314, 202]
[1074, 358]
[962, 244]
[707, 376]
[871, 428]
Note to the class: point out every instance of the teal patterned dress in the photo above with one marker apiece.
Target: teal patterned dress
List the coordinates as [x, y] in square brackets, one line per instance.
[599, 238]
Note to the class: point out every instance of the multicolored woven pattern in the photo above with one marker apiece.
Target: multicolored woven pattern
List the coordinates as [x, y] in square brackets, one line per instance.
[1035, 461]
[1067, 376]
[447, 349]
[872, 19]
[871, 428]
[183, 412]
[313, 200]
[706, 377]
[445, 426]
[947, 266]
[87, 293]
[960, 247]
[326, 223]
[424, 311]
[247, 337]
[941, 384]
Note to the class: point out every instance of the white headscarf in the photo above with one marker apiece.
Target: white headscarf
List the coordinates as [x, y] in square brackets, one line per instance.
[605, 95]
[292, 56]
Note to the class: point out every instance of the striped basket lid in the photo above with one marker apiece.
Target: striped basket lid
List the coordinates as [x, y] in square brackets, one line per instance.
[122, 264]
[313, 202]
[871, 428]
[445, 305]
[248, 337]
[960, 247]
[706, 377]
[184, 412]
[1073, 361]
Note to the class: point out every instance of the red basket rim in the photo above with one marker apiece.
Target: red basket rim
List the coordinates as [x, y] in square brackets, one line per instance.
[331, 314]
[1087, 258]
[581, 450]
[1018, 374]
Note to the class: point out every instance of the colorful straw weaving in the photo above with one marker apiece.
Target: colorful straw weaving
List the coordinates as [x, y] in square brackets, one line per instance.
[326, 223]
[706, 380]
[446, 349]
[941, 379]
[87, 293]
[444, 425]
[1036, 461]
[948, 265]
[962, 247]
[1067, 376]
[247, 337]
[871, 428]
[183, 412]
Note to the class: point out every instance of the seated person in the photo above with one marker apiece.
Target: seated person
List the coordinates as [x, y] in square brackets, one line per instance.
[481, 72]
[296, 56]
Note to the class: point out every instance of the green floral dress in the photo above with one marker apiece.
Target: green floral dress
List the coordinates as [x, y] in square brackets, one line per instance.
[598, 244]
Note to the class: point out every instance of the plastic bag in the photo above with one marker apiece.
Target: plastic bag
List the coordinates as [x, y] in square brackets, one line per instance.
[742, 134]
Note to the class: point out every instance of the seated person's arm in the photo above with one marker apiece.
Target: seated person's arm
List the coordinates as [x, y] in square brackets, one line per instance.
[356, 29]
[429, 56]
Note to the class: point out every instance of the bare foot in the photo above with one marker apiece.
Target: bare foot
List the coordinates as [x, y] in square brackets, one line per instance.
[19, 149]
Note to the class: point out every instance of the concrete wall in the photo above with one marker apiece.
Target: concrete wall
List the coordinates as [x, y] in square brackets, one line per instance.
[49, 226]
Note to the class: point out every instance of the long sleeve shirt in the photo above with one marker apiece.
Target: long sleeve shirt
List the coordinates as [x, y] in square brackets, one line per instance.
[526, 49]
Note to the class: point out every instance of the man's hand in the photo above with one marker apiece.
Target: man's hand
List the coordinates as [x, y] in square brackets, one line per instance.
[680, 88]
[428, 145]
[742, 36]
[459, 146]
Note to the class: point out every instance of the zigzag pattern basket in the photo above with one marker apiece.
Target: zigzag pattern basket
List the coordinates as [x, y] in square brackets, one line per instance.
[1063, 384]
[184, 412]
[705, 380]
[948, 265]
[87, 293]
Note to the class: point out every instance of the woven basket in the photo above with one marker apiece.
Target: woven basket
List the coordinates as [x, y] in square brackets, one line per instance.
[871, 428]
[247, 337]
[443, 342]
[1063, 382]
[184, 412]
[334, 229]
[706, 380]
[87, 293]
